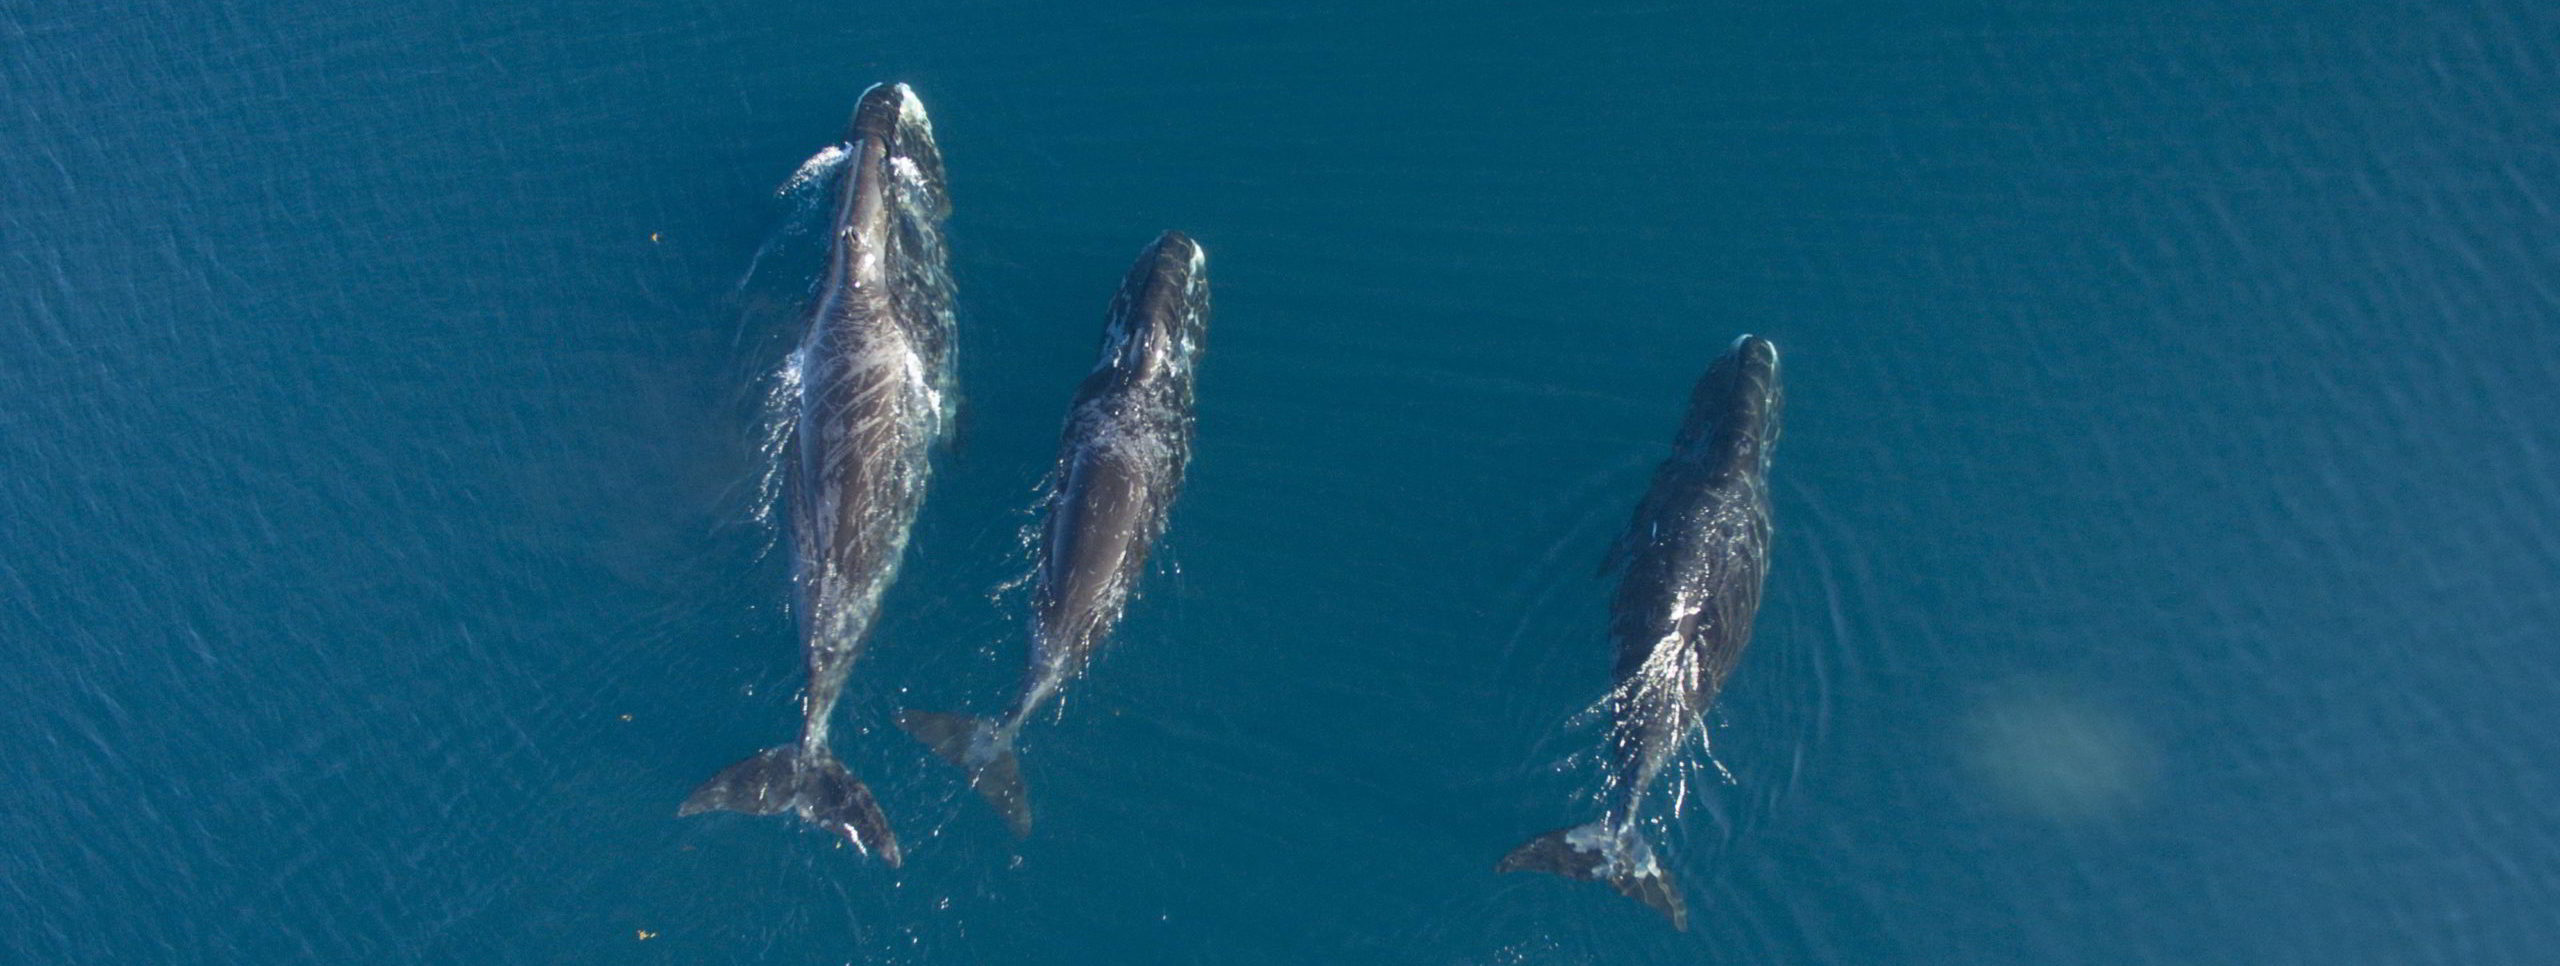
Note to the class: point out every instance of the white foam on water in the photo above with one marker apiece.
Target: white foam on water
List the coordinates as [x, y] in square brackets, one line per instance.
[779, 420]
[817, 169]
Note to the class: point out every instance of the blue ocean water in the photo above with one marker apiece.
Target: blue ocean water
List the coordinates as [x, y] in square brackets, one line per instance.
[2167, 507]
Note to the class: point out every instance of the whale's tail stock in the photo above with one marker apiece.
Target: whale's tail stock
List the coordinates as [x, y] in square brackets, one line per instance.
[1608, 852]
[810, 782]
[980, 747]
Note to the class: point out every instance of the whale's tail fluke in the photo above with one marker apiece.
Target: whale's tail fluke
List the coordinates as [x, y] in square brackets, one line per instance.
[812, 783]
[975, 744]
[1618, 856]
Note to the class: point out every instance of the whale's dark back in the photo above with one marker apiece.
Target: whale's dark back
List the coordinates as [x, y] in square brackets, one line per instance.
[1126, 443]
[1697, 550]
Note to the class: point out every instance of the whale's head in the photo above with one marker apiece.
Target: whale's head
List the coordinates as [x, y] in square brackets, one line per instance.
[1733, 412]
[1162, 311]
[892, 116]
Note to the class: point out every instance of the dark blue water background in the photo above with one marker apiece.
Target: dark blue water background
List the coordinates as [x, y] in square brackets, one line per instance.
[2168, 516]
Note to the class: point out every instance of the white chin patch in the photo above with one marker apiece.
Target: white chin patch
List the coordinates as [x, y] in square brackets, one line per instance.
[910, 107]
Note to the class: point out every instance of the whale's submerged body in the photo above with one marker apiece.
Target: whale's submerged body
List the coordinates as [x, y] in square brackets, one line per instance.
[1693, 560]
[1121, 458]
[875, 377]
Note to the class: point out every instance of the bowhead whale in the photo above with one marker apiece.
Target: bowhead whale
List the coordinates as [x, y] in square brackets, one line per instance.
[1693, 557]
[875, 377]
[1120, 463]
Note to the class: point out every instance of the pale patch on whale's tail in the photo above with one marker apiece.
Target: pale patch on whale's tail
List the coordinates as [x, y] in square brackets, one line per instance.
[811, 783]
[1620, 857]
[975, 744]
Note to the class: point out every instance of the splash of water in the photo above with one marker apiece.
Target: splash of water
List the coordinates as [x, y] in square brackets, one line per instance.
[805, 194]
[817, 169]
[775, 425]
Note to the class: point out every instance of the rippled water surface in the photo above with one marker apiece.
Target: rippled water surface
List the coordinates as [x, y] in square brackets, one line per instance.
[2169, 504]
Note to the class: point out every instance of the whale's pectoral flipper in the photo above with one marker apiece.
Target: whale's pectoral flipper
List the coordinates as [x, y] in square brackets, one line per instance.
[1622, 859]
[974, 745]
[815, 785]
[963, 418]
